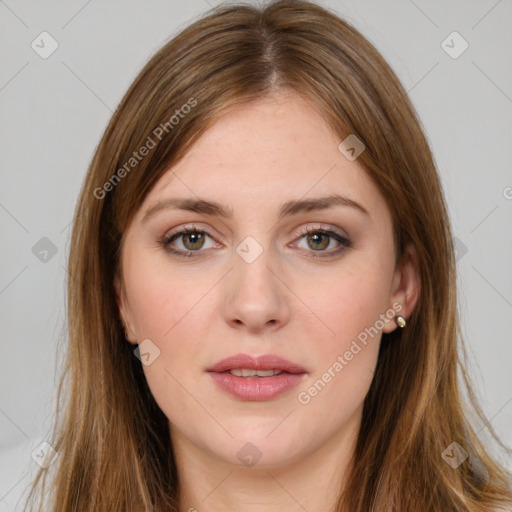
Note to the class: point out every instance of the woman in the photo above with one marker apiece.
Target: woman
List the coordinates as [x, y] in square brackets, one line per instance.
[262, 296]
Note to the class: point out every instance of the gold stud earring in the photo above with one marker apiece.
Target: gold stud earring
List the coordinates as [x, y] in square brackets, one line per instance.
[400, 320]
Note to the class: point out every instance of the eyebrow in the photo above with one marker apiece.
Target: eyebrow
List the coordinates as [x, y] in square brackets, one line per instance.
[288, 208]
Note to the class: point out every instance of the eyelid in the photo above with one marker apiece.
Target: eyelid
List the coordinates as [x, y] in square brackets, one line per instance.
[185, 229]
[323, 227]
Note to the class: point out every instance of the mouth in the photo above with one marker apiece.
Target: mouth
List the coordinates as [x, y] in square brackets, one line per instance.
[245, 365]
[248, 373]
[256, 378]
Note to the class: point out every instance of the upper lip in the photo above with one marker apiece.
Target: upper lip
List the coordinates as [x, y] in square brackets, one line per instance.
[261, 362]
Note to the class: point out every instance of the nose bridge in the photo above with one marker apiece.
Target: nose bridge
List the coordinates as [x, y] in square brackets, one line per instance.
[255, 298]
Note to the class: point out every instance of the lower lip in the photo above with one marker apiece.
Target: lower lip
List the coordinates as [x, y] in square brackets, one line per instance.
[256, 389]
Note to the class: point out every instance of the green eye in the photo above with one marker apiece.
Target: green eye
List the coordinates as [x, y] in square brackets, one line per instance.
[193, 240]
[318, 241]
[187, 242]
[324, 242]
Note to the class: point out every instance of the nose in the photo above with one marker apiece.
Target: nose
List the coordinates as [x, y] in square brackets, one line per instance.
[256, 300]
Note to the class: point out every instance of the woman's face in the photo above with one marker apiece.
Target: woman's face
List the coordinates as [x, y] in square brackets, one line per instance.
[291, 255]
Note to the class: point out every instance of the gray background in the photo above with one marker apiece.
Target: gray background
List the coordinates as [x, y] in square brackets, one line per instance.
[54, 111]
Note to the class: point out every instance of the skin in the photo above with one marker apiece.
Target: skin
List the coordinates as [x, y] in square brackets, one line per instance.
[198, 310]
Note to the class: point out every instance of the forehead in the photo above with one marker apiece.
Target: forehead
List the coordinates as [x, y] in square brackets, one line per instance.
[268, 151]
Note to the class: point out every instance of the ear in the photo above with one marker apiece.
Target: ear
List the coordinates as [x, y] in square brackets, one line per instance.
[124, 314]
[405, 289]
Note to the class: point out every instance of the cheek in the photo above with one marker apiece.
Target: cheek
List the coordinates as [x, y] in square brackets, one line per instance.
[333, 395]
[343, 304]
[162, 299]
[344, 336]
[169, 308]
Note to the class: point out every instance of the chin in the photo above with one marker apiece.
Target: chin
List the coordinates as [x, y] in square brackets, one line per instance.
[258, 449]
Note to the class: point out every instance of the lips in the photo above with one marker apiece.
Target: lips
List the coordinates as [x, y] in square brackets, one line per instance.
[256, 388]
[262, 362]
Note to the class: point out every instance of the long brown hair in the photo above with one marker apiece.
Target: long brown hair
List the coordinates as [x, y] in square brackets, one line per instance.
[113, 441]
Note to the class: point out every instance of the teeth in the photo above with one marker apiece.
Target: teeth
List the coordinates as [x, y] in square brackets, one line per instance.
[254, 373]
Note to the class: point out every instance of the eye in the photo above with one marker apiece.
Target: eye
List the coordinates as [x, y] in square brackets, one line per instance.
[191, 241]
[187, 241]
[323, 241]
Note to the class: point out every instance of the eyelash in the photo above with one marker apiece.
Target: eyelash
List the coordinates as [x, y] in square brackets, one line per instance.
[166, 240]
